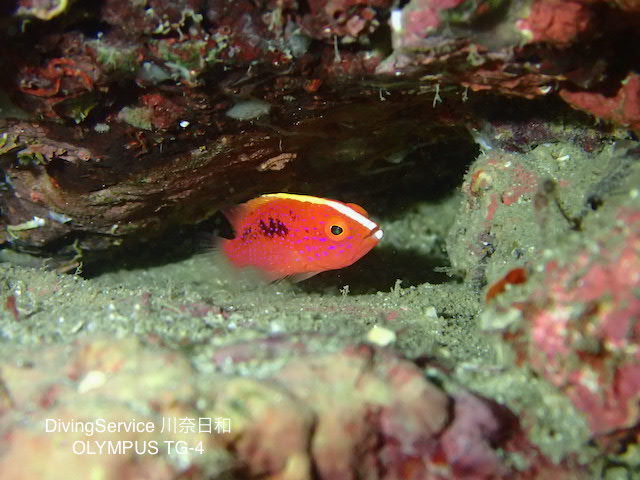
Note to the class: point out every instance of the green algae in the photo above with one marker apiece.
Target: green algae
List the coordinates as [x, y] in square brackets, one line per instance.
[120, 58]
[139, 117]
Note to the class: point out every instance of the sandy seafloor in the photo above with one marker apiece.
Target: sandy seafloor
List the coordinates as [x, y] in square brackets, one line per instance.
[194, 305]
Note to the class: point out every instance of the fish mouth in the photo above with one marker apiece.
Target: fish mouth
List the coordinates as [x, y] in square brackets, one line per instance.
[375, 232]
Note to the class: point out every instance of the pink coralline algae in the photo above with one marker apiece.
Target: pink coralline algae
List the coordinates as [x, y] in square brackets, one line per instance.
[467, 442]
[342, 18]
[419, 18]
[557, 22]
[584, 328]
[622, 108]
[375, 417]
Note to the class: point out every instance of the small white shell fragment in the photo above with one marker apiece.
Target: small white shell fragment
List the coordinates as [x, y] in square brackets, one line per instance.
[248, 110]
[92, 380]
[396, 20]
[381, 336]
[431, 312]
[58, 217]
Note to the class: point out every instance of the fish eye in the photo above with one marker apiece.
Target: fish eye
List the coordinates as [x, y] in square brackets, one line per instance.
[336, 229]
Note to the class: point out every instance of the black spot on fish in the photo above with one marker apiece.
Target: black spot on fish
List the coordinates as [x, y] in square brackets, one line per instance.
[273, 228]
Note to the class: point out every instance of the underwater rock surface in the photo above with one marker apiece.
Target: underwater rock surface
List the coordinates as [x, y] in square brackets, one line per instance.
[120, 120]
[378, 417]
[492, 334]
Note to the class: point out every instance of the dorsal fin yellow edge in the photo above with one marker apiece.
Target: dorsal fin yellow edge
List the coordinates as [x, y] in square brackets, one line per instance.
[358, 214]
[317, 200]
[300, 198]
[235, 211]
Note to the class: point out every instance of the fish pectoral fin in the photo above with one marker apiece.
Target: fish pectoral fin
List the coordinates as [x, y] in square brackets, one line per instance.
[299, 277]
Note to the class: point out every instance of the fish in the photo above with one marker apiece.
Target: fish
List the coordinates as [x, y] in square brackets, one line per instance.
[284, 235]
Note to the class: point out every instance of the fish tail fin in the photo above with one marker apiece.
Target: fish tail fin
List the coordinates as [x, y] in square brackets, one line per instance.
[223, 222]
[212, 233]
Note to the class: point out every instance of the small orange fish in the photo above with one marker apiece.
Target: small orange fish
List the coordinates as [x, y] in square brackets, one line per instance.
[298, 236]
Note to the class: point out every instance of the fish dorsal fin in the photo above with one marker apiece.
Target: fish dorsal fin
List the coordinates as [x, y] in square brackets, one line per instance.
[358, 209]
[308, 199]
[234, 212]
